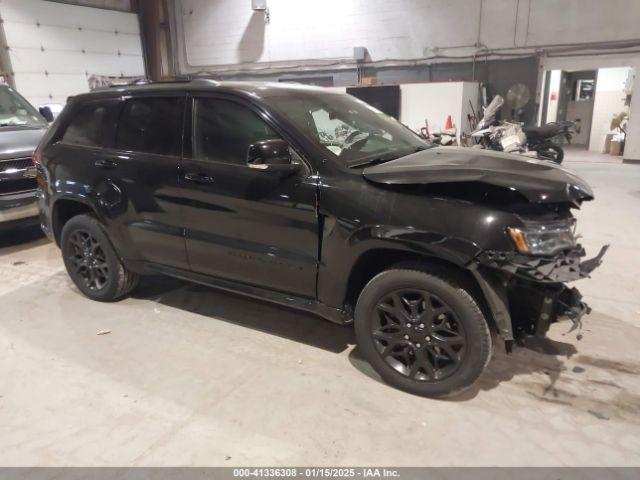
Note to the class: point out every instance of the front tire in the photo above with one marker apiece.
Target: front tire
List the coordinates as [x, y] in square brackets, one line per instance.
[91, 261]
[422, 333]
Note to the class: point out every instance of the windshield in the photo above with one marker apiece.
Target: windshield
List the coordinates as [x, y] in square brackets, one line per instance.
[15, 111]
[346, 128]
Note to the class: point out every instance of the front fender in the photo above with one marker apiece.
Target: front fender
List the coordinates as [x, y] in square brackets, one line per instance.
[434, 244]
[344, 245]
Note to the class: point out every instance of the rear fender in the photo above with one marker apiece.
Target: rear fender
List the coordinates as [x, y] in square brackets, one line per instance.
[98, 205]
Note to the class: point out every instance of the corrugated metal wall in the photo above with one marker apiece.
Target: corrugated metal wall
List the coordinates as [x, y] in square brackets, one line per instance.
[54, 47]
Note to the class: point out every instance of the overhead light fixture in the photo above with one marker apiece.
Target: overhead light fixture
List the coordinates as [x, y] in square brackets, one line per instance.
[258, 4]
[360, 54]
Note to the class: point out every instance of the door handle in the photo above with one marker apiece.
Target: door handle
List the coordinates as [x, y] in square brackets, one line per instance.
[198, 178]
[105, 163]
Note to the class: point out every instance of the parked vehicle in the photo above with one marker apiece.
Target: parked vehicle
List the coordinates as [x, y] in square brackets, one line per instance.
[246, 187]
[511, 137]
[21, 128]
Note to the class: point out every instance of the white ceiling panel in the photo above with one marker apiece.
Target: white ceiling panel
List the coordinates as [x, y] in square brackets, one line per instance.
[54, 88]
[60, 62]
[54, 47]
[56, 38]
[64, 15]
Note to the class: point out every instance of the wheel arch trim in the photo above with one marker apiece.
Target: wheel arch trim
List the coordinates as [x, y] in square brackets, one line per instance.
[341, 256]
[55, 211]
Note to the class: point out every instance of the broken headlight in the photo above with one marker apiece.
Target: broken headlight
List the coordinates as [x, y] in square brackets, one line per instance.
[543, 238]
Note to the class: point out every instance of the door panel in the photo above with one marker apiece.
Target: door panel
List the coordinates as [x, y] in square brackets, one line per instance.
[244, 224]
[147, 193]
[142, 173]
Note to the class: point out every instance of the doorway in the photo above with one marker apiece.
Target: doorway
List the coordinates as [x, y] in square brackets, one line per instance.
[589, 98]
[570, 96]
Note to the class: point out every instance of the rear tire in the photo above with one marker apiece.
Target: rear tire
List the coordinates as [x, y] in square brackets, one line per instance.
[422, 333]
[91, 261]
[551, 152]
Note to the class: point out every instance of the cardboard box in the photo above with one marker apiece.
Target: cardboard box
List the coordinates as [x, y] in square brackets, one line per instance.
[616, 148]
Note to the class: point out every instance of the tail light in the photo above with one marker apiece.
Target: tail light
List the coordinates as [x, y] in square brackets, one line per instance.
[37, 157]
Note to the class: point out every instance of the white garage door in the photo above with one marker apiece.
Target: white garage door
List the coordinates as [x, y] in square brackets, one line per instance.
[54, 47]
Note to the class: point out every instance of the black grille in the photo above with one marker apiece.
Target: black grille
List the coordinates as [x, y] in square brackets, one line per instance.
[17, 163]
[8, 187]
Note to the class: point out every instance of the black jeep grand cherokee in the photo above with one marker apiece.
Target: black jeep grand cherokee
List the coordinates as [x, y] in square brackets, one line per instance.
[317, 201]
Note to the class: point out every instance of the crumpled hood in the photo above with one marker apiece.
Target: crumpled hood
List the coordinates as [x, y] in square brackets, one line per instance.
[19, 142]
[538, 181]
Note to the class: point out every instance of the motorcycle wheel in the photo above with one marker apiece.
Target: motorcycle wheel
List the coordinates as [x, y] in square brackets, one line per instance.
[551, 152]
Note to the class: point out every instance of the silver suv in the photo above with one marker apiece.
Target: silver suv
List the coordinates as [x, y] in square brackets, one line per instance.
[21, 127]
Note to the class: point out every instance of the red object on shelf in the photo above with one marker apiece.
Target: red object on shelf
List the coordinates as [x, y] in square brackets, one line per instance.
[554, 95]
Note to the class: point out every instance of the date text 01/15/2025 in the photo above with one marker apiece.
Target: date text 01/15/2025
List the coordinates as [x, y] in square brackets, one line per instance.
[312, 472]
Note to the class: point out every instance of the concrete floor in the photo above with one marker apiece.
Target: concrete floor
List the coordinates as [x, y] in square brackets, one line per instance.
[191, 376]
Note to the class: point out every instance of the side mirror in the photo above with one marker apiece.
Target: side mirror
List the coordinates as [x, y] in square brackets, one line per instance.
[46, 113]
[271, 155]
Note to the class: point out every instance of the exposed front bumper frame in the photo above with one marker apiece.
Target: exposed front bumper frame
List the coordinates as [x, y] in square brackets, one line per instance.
[563, 267]
[498, 272]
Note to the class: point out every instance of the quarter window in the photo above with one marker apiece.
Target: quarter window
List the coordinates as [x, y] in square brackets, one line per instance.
[86, 127]
[224, 130]
[151, 125]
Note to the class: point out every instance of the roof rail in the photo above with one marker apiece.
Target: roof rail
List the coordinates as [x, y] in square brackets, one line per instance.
[207, 81]
[144, 81]
[175, 80]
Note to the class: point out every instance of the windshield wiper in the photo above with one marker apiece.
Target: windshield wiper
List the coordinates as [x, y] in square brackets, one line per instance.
[375, 161]
[368, 162]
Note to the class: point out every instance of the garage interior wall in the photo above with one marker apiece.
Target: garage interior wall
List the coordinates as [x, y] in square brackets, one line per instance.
[54, 47]
[496, 42]
[434, 102]
[226, 34]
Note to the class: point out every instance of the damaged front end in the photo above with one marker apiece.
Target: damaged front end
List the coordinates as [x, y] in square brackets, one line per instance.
[531, 252]
[526, 289]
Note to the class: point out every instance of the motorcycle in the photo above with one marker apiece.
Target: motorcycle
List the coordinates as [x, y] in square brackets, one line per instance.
[540, 139]
[511, 137]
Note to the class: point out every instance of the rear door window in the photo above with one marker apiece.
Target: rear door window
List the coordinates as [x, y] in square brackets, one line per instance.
[87, 125]
[151, 125]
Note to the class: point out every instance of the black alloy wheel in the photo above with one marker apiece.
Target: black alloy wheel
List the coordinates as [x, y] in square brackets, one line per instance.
[88, 259]
[92, 262]
[422, 332]
[418, 335]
